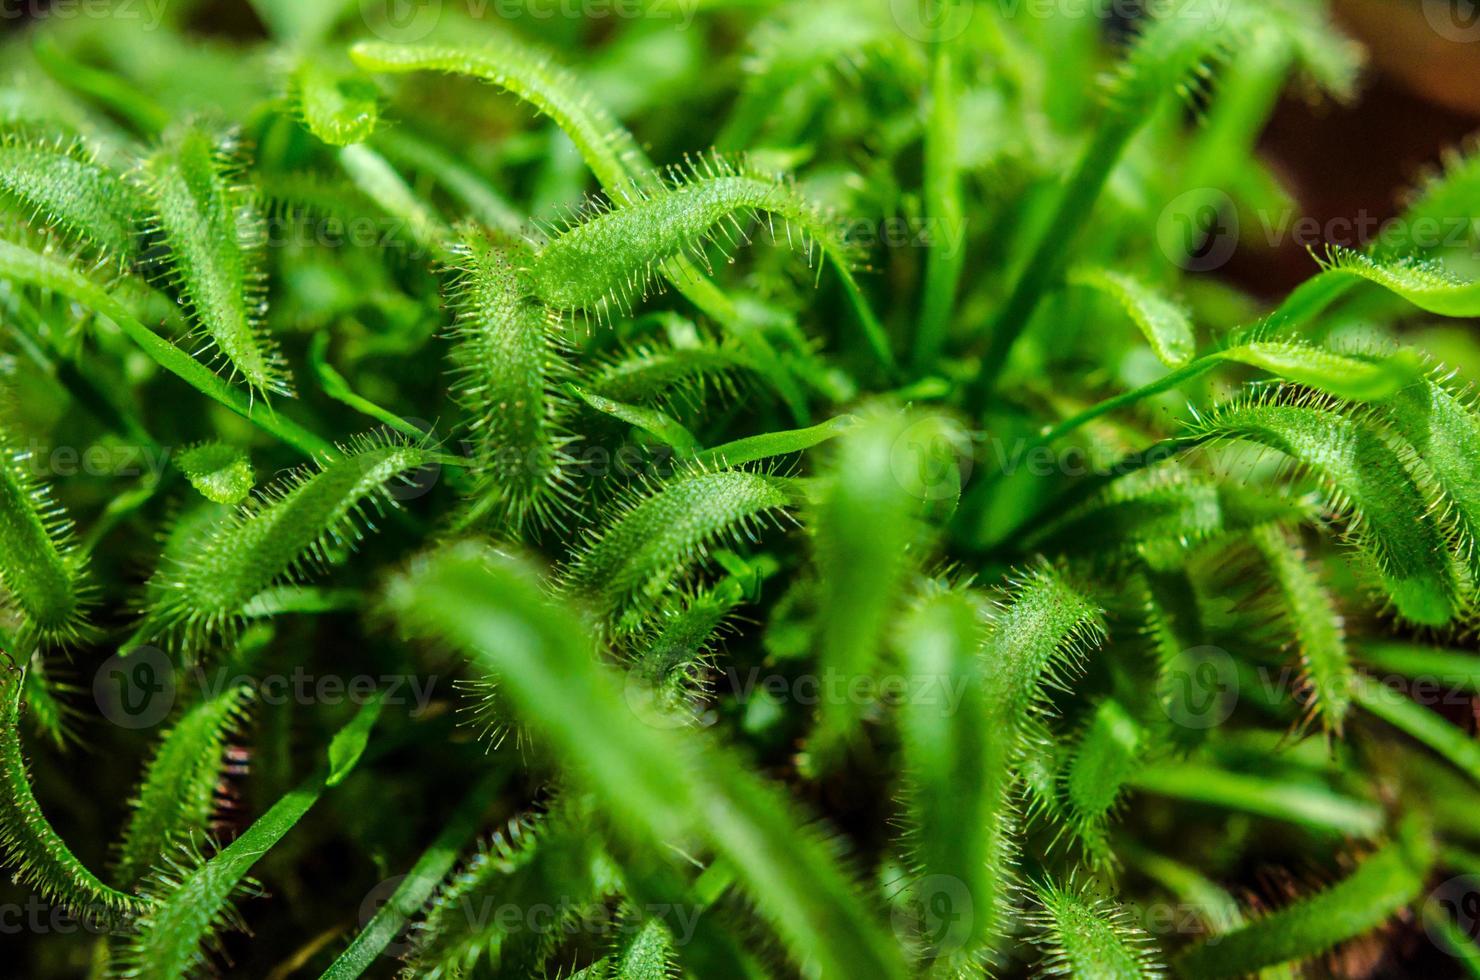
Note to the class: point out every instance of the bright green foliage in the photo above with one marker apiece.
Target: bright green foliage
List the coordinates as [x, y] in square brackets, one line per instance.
[1035, 642]
[609, 150]
[865, 539]
[950, 792]
[33, 851]
[190, 895]
[1167, 326]
[1090, 937]
[508, 364]
[659, 536]
[42, 573]
[519, 867]
[1314, 624]
[1383, 883]
[61, 186]
[649, 956]
[671, 658]
[1390, 516]
[287, 532]
[340, 108]
[1108, 754]
[222, 473]
[659, 787]
[177, 798]
[1443, 428]
[668, 375]
[724, 539]
[608, 261]
[208, 223]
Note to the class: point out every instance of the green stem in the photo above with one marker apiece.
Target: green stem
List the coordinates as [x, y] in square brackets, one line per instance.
[1165, 383]
[1398, 710]
[943, 207]
[753, 448]
[1315, 807]
[417, 885]
[23, 265]
[337, 388]
[146, 115]
[1051, 253]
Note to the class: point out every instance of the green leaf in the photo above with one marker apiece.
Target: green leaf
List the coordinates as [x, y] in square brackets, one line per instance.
[649, 956]
[1166, 325]
[1315, 625]
[508, 373]
[1383, 883]
[769, 445]
[608, 149]
[278, 538]
[348, 744]
[1308, 805]
[656, 784]
[62, 186]
[42, 572]
[655, 423]
[520, 868]
[1085, 936]
[866, 532]
[222, 473]
[656, 538]
[1364, 467]
[953, 801]
[1397, 709]
[339, 107]
[418, 884]
[1108, 754]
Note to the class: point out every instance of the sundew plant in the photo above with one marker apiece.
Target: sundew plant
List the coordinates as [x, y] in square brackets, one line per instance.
[722, 488]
